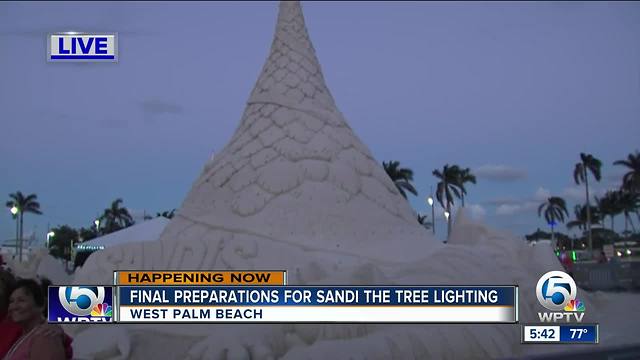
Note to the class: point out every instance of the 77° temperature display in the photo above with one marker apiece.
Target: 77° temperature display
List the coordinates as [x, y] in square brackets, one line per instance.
[560, 334]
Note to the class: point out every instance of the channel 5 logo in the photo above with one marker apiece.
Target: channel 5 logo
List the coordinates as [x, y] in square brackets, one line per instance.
[70, 304]
[557, 291]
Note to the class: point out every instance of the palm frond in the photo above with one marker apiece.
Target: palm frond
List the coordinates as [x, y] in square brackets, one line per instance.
[542, 206]
[405, 185]
[578, 174]
[440, 193]
[456, 190]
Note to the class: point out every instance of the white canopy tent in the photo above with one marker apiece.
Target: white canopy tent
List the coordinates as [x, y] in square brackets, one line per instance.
[149, 230]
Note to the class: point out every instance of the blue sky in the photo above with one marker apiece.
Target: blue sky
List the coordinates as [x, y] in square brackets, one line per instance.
[514, 90]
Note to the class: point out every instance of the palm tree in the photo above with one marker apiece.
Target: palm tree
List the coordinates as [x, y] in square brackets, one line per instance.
[588, 164]
[62, 243]
[631, 180]
[537, 235]
[609, 205]
[24, 204]
[167, 214]
[115, 217]
[401, 177]
[580, 212]
[465, 176]
[555, 208]
[628, 203]
[422, 219]
[447, 187]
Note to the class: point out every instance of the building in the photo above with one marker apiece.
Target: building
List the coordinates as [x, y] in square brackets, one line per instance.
[149, 230]
[10, 247]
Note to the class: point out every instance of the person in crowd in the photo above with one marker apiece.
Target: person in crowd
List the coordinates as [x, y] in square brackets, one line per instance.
[567, 262]
[26, 304]
[9, 330]
[602, 258]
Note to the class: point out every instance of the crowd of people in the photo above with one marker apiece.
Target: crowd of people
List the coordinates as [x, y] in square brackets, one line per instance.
[25, 333]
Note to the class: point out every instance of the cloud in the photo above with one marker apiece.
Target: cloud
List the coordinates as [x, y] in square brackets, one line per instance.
[541, 194]
[502, 201]
[508, 207]
[159, 107]
[41, 33]
[501, 173]
[527, 206]
[574, 193]
[477, 211]
[577, 193]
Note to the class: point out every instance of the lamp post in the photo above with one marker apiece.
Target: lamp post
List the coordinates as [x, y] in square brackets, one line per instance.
[14, 212]
[97, 223]
[50, 234]
[70, 253]
[446, 216]
[433, 214]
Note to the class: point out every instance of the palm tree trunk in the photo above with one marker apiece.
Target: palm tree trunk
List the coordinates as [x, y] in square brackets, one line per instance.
[21, 234]
[448, 219]
[586, 186]
[462, 200]
[633, 228]
[553, 237]
[15, 253]
[626, 223]
[612, 228]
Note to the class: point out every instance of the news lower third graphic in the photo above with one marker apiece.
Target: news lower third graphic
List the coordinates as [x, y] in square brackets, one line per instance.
[264, 296]
[82, 47]
[317, 304]
[72, 304]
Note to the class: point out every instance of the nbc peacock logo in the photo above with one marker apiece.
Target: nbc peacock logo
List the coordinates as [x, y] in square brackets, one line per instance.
[575, 305]
[102, 310]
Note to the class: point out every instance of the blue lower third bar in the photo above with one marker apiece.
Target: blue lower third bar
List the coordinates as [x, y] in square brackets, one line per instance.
[82, 57]
[579, 333]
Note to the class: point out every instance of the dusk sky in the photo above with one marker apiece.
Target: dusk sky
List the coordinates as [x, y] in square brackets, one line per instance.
[513, 90]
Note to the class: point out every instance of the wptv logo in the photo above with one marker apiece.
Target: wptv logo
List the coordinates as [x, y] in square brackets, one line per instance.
[557, 292]
[72, 304]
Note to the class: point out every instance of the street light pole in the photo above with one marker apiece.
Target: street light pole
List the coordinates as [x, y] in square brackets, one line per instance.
[433, 212]
[50, 234]
[14, 211]
[70, 253]
[446, 216]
